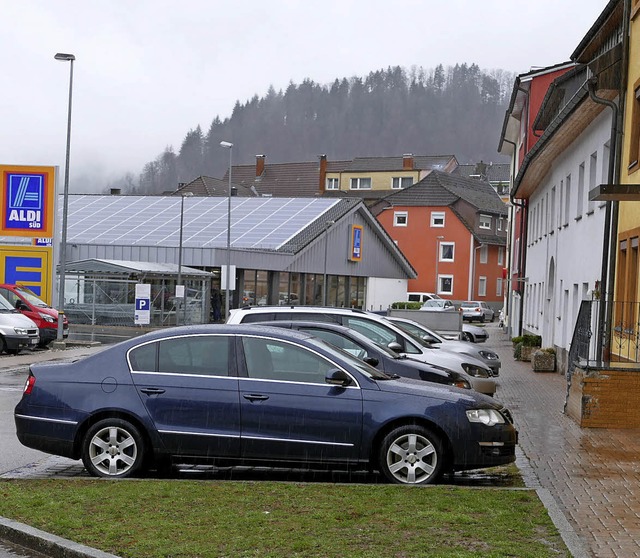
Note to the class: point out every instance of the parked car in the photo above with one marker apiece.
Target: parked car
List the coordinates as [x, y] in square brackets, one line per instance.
[420, 297]
[378, 329]
[477, 310]
[44, 316]
[378, 356]
[438, 305]
[17, 332]
[251, 394]
[473, 334]
[490, 358]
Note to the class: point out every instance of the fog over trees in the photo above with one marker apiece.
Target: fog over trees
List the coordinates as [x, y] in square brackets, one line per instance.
[456, 110]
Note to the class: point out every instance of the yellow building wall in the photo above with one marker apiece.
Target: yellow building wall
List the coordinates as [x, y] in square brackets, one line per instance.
[629, 217]
[629, 212]
[379, 180]
[625, 314]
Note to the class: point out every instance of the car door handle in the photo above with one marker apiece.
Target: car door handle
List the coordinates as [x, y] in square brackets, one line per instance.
[152, 391]
[255, 397]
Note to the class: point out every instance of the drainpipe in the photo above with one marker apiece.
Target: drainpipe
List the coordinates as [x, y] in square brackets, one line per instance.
[521, 262]
[610, 217]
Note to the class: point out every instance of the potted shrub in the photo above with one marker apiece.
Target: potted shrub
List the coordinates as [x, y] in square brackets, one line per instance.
[525, 345]
[544, 360]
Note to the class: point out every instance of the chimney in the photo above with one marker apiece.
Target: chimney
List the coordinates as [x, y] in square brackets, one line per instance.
[323, 174]
[260, 164]
[407, 161]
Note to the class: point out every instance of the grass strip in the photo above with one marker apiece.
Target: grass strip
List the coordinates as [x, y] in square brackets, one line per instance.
[188, 519]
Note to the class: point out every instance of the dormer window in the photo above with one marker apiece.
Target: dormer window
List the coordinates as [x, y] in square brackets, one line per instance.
[485, 222]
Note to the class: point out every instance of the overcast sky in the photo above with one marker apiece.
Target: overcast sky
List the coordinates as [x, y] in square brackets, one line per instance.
[147, 71]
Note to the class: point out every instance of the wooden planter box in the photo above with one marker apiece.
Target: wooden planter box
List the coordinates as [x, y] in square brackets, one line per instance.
[542, 361]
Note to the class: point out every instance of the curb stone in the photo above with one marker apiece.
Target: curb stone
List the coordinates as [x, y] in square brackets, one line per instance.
[46, 543]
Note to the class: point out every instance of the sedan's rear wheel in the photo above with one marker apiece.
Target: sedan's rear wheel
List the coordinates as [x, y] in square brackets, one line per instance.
[3, 345]
[112, 448]
[411, 454]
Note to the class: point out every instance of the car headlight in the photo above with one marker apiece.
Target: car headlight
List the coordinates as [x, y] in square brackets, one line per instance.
[20, 331]
[46, 317]
[489, 355]
[488, 417]
[475, 371]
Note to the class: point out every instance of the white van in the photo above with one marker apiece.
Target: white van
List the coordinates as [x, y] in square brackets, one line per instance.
[16, 330]
[421, 297]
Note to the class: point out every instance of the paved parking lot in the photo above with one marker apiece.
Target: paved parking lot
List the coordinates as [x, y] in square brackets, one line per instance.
[589, 478]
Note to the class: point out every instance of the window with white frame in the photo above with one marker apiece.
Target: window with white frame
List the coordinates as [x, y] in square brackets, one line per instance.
[499, 286]
[398, 182]
[447, 251]
[361, 183]
[485, 221]
[580, 191]
[500, 255]
[500, 223]
[567, 200]
[593, 168]
[437, 218]
[400, 218]
[333, 184]
[445, 284]
[482, 286]
[484, 254]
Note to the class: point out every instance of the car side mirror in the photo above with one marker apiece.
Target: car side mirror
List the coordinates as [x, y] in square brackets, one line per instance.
[373, 361]
[337, 377]
[395, 347]
[20, 305]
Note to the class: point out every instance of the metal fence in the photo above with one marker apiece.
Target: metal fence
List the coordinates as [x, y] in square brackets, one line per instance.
[606, 332]
[111, 302]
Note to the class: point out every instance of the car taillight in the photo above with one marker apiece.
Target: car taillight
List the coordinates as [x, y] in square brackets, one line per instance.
[28, 385]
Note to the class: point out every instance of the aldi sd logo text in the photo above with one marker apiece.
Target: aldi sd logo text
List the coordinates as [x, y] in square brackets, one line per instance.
[25, 207]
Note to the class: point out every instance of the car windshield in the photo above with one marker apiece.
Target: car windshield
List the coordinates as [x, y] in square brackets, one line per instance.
[5, 305]
[362, 366]
[417, 331]
[32, 298]
[468, 305]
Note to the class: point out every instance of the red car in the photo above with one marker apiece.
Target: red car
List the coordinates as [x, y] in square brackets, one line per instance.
[45, 317]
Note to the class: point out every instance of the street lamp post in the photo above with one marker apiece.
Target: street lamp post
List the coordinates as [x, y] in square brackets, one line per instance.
[326, 244]
[179, 282]
[438, 240]
[228, 145]
[65, 204]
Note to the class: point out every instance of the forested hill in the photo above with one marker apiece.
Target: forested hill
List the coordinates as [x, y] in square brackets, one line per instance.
[456, 110]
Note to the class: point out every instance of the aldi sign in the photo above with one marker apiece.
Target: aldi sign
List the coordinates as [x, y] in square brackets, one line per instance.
[27, 201]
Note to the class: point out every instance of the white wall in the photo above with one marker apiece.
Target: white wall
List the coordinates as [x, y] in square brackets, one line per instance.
[382, 292]
[564, 246]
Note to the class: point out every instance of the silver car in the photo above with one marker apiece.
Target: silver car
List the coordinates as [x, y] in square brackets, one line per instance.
[477, 310]
[491, 359]
[438, 305]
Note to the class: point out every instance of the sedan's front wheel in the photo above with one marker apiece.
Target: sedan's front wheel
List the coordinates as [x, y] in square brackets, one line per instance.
[411, 454]
[112, 448]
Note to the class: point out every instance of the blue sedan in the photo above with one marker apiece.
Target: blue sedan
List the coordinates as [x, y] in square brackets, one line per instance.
[250, 394]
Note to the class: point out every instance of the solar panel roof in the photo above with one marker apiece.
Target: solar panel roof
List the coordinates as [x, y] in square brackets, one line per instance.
[256, 223]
